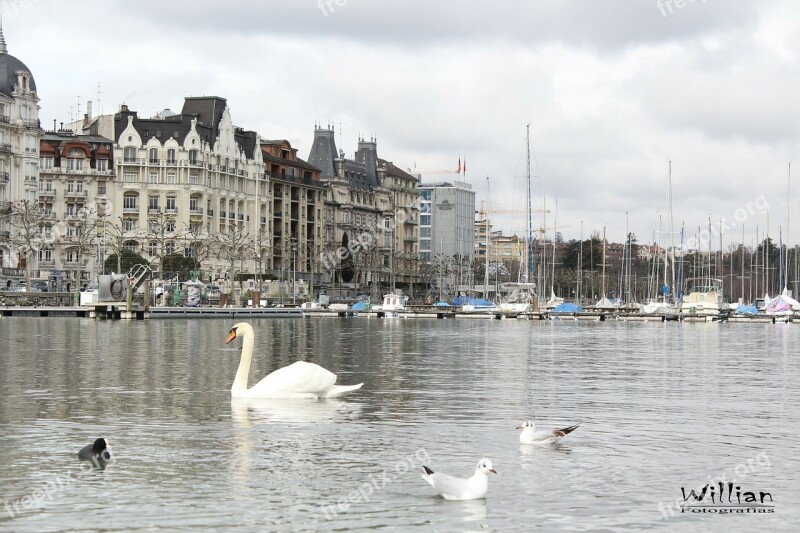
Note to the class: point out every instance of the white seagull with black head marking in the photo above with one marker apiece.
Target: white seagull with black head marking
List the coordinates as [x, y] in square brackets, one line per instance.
[529, 434]
[454, 488]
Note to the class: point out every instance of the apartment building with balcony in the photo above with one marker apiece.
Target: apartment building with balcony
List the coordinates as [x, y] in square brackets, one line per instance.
[76, 175]
[186, 179]
[19, 146]
[356, 204]
[297, 199]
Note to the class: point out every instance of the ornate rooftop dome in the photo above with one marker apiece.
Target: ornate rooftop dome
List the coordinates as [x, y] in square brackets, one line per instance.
[9, 65]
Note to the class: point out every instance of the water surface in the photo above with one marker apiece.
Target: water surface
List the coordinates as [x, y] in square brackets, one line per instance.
[662, 406]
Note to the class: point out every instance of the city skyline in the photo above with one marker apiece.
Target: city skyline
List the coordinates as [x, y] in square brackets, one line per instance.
[613, 93]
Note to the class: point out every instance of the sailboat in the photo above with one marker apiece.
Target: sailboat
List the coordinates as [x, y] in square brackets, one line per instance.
[662, 304]
[521, 296]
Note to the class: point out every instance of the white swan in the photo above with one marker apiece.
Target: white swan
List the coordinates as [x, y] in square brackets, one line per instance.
[298, 380]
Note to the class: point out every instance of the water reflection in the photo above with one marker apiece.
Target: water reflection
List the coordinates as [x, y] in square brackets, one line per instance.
[293, 411]
[665, 406]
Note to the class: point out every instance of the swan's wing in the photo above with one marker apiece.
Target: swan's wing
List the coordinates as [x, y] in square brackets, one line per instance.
[299, 377]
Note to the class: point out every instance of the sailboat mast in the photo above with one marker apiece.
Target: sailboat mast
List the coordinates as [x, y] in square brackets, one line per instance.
[486, 261]
[671, 230]
[788, 211]
[529, 263]
[603, 279]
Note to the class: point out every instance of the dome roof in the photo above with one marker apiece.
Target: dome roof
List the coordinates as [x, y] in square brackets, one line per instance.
[9, 65]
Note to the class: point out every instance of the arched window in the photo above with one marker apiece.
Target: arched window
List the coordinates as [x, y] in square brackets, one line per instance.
[130, 246]
[171, 155]
[154, 155]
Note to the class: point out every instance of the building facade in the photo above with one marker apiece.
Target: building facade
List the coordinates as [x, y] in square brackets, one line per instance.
[296, 212]
[364, 197]
[19, 148]
[189, 183]
[447, 232]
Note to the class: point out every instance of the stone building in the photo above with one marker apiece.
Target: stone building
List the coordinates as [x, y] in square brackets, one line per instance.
[19, 146]
[370, 201]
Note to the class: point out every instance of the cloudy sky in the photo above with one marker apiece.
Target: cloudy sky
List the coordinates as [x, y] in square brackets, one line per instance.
[612, 91]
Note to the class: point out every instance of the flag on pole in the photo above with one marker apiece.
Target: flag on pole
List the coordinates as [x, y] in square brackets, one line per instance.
[458, 171]
[465, 165]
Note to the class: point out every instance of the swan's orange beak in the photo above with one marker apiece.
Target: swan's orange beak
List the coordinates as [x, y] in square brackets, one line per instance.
[231, 336]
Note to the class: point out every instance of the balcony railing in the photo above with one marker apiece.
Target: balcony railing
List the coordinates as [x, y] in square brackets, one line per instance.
[196, 211]
[196, 163]
[133, 160]
[153, 210]
[171, 211]
[132, 209]
[76, 194]
[211, 212]
[172, 163]
[4, 176]
[223, 214]
[232, 216]
[47, 192]
[4, 119]
[5, 147]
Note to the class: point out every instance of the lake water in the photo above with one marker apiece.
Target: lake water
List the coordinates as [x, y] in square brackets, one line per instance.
[662, 405]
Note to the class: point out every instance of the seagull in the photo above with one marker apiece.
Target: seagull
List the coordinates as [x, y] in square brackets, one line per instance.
[454, 488]
[529, 434]
[98, 452]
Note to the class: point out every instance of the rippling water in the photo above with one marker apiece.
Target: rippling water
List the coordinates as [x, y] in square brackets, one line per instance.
[662, 406]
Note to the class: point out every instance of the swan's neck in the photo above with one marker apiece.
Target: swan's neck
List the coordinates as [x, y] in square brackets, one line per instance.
[240, 381]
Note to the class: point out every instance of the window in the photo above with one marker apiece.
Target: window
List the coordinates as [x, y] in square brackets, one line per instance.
[170, 248]
[46, 255]
[153, 177]
[152, 203]
[101, 187]
[102, 165]
[195, 227]
[193, 179]
[346, 217]
[130, 154]
[152, 248]
[194, 203]
[70, 164]
[425, 220]
[192, 157]
[171, 204]
[154, 155]
[425, 195]
[170, 226]
[425, 232]
[70, 186]
[188, 251]
[172, 178]
[130, 246]
[47, 163]
[128, 224]
[171, 155]
[130, 201]
[72, 255]
[129, 177]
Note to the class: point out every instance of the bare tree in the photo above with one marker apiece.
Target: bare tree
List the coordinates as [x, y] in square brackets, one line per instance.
[31, 230]
[161, 229]
[81, 234]
[115, 236]
[234, 244]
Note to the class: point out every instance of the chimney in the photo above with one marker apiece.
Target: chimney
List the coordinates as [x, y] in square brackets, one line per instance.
[123, 108]
[89, 109]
